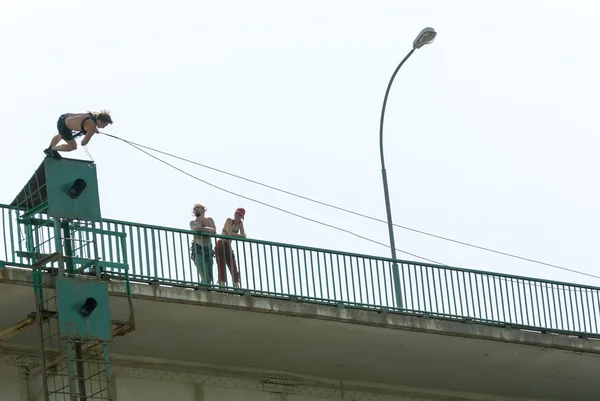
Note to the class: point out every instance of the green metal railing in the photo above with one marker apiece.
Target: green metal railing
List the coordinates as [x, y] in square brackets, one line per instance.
[162, 255]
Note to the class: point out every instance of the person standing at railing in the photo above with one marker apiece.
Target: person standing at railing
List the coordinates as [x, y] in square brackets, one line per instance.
[202, 252]
[232, 228]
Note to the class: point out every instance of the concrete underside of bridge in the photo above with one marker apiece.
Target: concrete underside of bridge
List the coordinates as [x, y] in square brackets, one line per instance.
[244, 331]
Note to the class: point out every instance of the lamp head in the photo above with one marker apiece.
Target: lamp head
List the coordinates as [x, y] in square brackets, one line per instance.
[425, 37]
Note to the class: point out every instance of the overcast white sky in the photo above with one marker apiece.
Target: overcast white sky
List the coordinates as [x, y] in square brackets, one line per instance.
[490, 136]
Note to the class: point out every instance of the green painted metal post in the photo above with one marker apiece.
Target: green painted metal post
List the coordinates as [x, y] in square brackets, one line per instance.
[108, 373]
[71, 368]
[38, 308]
[80, 371]
[68, 247]
[58, 247]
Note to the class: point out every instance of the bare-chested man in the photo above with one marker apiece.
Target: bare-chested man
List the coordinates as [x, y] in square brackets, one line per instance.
[202, 251]
[73, 125]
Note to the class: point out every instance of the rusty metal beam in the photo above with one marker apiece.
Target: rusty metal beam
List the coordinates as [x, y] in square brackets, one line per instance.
[121, 330]
[18, 327]
[31, 320]
[24, 324]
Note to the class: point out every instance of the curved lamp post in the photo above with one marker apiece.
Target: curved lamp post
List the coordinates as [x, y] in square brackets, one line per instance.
[425, 37]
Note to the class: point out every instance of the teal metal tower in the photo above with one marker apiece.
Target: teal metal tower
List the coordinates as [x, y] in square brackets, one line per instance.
[60, 223]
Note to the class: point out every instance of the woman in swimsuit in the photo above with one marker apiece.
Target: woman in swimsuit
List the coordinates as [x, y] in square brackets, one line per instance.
[232, 228]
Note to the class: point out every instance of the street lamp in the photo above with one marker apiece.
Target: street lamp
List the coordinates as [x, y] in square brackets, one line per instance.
[425, 37]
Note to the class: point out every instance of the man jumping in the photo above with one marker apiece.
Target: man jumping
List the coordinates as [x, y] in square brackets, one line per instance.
[74, 125]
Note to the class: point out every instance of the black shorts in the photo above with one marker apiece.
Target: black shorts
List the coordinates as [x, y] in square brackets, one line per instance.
[63, 130]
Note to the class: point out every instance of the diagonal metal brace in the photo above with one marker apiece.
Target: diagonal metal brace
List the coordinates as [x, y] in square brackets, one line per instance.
[24, 324]
[53, 257]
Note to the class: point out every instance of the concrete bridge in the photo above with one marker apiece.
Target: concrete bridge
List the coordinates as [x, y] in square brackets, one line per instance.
[214, 344]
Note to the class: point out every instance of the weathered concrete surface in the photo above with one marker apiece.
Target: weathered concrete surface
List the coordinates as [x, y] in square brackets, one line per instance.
[264, 333]
[223, 299]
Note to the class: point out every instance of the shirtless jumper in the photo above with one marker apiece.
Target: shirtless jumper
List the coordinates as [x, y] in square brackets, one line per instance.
[68, 134]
